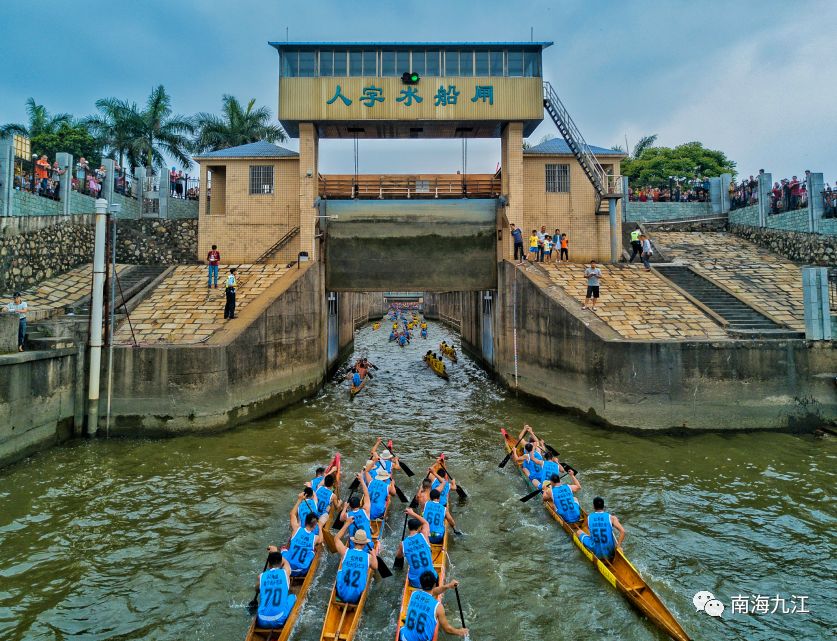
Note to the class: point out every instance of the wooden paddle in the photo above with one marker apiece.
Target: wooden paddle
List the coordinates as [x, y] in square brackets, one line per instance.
[401, 463]
[508, 456]
[459, 490]
[461, 615]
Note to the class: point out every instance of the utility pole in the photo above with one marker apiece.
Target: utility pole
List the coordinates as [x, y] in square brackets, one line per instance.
[96, 301]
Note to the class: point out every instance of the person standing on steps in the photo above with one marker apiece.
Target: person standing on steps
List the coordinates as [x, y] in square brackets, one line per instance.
[20, 307]
[229, 290]
[636, 244]
[541, 237]
[213, 260]
[593, 275]
[565, 248]
[517, 237]
[647, 251]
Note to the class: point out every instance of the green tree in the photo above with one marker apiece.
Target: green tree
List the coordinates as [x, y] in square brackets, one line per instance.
[70, 138]
[112, 128]
[655, 165]
[235, 126]
[40, 121]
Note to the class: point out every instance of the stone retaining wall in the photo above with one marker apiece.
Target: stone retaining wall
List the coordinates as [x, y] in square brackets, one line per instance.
[812, 249]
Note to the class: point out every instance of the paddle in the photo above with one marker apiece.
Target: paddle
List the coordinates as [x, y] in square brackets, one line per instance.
[532, 495]
[459, 490]
[508, 456]
[461, 615]
[383, 569]
[401, 496]
[401, 463]
[254, 602]
[353, 487]
[399, 560]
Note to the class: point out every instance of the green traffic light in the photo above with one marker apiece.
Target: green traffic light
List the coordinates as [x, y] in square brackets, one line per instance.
[414, 77]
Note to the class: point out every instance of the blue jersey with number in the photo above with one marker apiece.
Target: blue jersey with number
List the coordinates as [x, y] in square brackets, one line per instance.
[361, 522]
[274, 605]
[565, 504]
[444, 493]
[305, 508]
[323, 495]
[601, 532]
[549, 469]
[352, 575]
[316, 482]
[419, 558]
[301, 551]
[420, 623]
[530, 465]
[434, 514]
[378, 493]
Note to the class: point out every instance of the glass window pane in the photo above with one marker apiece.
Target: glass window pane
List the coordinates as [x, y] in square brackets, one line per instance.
[515, 60]
[466, 63]
[369, 63]
[340, 63]
[418, 62]
[496, 63]
[432, 64]
[388, 67]
[451, 63]
[327, 63]
[532, 61]
[355, 63]
[307, 64]
[290, 68]
[402, 62]
[482, 63]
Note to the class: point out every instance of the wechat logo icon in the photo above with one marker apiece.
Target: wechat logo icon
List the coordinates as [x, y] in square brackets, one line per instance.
[706, 602]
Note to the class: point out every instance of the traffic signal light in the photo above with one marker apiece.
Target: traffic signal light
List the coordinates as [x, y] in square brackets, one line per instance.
[410, 78]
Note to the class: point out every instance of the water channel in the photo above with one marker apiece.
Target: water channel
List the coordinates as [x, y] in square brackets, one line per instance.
[162, 539]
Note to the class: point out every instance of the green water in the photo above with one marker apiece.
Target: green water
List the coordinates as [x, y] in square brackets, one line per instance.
[140, 539]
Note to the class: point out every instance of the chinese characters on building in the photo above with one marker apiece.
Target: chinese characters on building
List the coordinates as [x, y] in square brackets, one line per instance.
[444, 96]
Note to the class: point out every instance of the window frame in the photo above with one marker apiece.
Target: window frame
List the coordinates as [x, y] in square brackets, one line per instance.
[260, 178]
[557, 181]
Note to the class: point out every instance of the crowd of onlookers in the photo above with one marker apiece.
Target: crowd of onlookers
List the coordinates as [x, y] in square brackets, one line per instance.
[181, 186]
[689, 191]
[829, 197]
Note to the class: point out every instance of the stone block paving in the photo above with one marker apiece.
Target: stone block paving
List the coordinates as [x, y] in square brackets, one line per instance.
[53, 295]
[758, 277]
[637, 304]
[182, 310]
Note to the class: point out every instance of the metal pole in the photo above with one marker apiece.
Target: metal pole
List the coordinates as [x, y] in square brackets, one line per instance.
[614, 231]
[112, 321]
[96, 300]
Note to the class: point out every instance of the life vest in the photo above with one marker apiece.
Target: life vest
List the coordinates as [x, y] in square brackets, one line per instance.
[419, 557]
[565, 503]
[274, 604]
[378, 494]
[601, 531]
[434, 514]
[323, 495]
[352, 575]
[301, 551]
[420, 623]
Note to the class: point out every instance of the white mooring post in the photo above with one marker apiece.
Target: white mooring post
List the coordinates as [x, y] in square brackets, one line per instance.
[96, 303]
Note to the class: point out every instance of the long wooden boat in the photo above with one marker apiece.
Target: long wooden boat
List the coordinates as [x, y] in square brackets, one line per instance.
[437, 368]
[449, 351]
[341, 618]
[439, 554]
[299, 584]
[619, 571]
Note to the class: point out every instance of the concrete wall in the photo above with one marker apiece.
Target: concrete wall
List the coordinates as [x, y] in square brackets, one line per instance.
[654, 212]
[274, 356]
[38, 392]
[581, 365]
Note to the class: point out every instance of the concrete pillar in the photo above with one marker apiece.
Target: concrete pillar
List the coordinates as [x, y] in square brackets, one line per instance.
[815, 185]
[164, 194]
[65, 181]
[726, 179]
[764, 186]
[308, 187]
[139, 188]
[715, 196]
[7, 174]
[615, 230]
[815, 303]
[511, 184]
[624, 202]
[110, 176]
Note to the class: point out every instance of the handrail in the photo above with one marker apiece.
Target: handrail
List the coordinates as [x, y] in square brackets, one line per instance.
[277, 245]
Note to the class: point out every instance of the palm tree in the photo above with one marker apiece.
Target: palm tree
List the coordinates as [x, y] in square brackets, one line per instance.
[155, 132]
[236, 126]
[40, 121]
[646, 142]
[112, 128]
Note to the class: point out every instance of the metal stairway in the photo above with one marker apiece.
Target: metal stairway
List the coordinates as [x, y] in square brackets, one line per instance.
[740, 317]
[279, 244]
[571, 134]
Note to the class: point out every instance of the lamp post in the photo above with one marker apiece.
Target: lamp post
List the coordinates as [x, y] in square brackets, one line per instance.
[34, 162]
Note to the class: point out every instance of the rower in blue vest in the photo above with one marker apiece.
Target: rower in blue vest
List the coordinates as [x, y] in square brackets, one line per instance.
[380, 489]
[436, 514]
[273, 587]
[425, 612]
[551, 467]
[359, 515]
[443, 483]
[304, 540]
[415, 548]
[308, 505]
[529, 464]
[326, 498]
[600, 541]
[561, 496]
[315, 482]
[386, 459]
[355, 563]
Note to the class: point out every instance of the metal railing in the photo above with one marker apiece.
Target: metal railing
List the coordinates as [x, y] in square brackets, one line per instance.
[279, 244]
[183, 186]
[383, 187]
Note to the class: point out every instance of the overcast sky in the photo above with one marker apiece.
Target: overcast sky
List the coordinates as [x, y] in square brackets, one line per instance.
[755, 79]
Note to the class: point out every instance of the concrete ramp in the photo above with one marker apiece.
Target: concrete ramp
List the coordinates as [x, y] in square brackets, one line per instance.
[397, 245]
